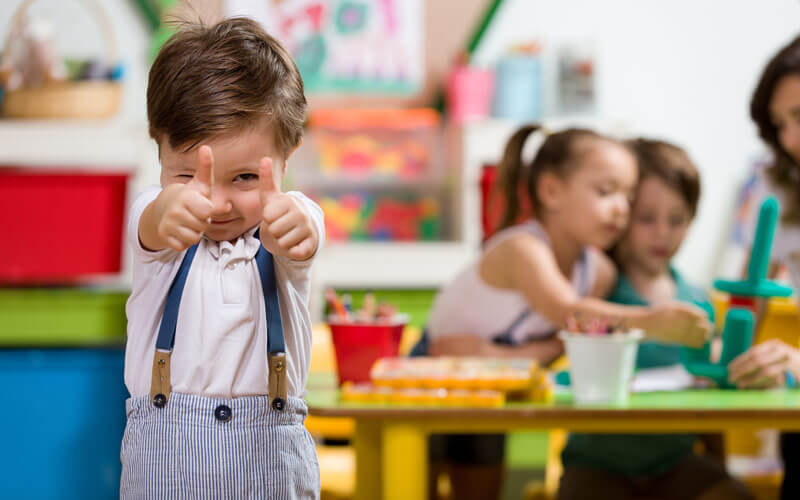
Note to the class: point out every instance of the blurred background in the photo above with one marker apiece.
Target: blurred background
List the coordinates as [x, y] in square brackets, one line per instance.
[410, 105]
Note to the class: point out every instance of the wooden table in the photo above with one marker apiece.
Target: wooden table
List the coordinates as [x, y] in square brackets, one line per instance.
[391, 441]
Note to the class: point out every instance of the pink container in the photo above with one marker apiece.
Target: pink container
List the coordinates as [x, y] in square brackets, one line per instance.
[469, 93]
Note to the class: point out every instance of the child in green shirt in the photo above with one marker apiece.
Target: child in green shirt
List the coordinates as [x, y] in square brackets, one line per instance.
[660, 466]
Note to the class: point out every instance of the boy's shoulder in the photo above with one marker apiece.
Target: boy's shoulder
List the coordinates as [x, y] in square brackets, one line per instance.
[624, 293]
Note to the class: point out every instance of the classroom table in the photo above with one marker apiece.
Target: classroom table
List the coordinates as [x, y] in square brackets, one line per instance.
[391, 441]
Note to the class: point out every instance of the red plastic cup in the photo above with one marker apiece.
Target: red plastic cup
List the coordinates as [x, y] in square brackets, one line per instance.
[359, 345]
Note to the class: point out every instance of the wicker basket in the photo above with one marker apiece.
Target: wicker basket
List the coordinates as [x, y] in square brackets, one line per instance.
[90, 99]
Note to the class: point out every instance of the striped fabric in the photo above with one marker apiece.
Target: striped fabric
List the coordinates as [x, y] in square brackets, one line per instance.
[183, 451]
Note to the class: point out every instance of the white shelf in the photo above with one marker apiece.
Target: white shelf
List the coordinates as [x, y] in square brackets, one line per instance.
[89, 145]
[391, 265]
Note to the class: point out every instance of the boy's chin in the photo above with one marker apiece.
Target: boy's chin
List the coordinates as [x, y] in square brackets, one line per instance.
[223, 235]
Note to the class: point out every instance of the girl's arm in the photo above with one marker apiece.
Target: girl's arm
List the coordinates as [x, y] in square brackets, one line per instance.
[545, 351]
[526, 264]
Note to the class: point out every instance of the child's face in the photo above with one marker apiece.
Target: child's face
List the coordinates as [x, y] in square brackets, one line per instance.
[784, 109]
[235, 193]
[659, 221]
[596, 197]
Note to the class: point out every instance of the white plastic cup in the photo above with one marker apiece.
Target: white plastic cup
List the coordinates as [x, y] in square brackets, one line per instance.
[601, 366]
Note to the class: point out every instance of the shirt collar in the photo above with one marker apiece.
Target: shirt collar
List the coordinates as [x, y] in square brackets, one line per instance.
[245, 246]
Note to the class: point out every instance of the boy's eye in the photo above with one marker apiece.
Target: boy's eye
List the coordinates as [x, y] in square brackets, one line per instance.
[646, 219]
[676, 220]
[246, 177]
[185, 176]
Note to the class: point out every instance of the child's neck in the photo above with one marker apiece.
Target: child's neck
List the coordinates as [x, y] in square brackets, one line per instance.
[565, 249]
[655, 286]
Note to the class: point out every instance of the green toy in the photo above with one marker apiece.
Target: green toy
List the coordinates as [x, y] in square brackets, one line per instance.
[738, 333]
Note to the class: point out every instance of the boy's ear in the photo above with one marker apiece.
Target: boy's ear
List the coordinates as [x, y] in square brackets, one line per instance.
[549, 191]
[286, 160]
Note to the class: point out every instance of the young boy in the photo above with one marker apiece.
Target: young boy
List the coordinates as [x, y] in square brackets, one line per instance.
[650, 465]
[219, 333]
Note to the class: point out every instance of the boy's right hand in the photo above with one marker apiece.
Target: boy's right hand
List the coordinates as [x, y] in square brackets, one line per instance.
[679, 323]
[183, 211]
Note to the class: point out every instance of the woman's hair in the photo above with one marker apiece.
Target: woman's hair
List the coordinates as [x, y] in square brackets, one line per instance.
[669, 164]
[784, 172]
[560, 153]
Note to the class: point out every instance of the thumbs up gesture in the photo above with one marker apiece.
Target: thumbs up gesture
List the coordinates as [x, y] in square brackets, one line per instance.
[184, 210]
[286, 226]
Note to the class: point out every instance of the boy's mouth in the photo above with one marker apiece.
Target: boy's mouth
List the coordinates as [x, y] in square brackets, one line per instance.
[221, 222]
[659, 252]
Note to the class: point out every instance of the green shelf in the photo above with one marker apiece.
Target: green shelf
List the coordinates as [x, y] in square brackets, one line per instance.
[61, 317]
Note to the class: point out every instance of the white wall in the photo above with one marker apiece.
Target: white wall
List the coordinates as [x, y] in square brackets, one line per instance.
[681, 70]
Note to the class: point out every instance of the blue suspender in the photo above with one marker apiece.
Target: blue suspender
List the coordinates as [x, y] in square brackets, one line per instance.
[160, 386]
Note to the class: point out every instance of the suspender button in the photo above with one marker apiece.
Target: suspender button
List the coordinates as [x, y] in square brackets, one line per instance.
[278, 404]
[159, 400]
[223, 413]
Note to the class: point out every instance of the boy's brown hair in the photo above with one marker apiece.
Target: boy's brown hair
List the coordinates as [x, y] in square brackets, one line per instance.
[670, 164]
[211, 80]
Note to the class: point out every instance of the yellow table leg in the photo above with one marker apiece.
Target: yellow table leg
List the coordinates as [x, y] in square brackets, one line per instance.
[405, 462]
[367, 444]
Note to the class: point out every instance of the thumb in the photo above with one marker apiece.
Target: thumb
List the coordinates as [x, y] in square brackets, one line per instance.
[266, 179]
[203, 180]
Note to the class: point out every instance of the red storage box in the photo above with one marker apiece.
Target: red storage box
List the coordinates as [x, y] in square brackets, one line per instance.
[493, 202]
[358, 346]
[57, 225]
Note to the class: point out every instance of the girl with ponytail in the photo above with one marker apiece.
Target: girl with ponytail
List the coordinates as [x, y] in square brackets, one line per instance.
[535, 273]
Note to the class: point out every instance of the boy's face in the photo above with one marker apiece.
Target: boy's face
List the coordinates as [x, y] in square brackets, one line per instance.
[235, 192]
[659, 221]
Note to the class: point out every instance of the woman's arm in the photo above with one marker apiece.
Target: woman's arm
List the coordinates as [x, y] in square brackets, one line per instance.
[765, 365]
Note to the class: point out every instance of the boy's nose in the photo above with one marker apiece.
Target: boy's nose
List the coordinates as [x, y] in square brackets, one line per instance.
[220, 201]
[662, 228]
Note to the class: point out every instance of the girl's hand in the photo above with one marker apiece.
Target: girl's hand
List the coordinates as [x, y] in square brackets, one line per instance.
[764, 365]
[286, 228]
[678, 323]
[183, 211]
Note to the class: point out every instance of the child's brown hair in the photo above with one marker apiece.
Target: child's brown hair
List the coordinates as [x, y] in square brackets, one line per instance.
[671, 165]
[560, 153]
[211, 80]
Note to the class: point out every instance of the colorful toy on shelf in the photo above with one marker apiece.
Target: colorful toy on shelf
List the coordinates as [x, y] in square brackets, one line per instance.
[738, 333]
[452, 381]
[376, 144]
[389, 217]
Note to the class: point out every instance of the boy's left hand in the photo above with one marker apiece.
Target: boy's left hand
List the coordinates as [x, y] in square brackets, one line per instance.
[286, 227]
